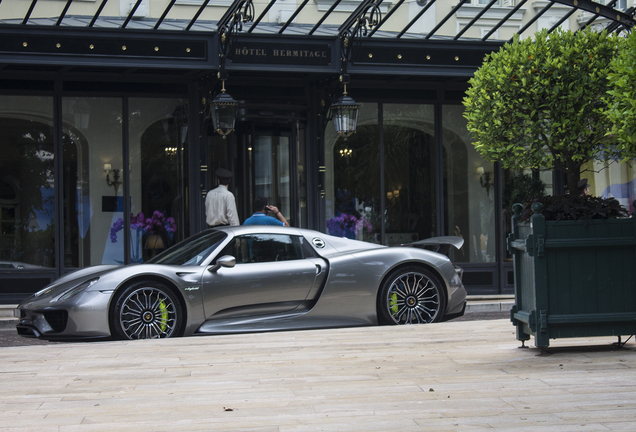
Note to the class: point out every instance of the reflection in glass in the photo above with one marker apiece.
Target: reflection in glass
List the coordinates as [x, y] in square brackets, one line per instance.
[518, 187]
[271, 171]
[302, 174]
[409, 152]
[158, 175]
[92, 157]
[469, 191]
[353, 179]
[27, 223]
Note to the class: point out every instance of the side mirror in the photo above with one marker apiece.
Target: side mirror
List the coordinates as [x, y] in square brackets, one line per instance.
[227, 261]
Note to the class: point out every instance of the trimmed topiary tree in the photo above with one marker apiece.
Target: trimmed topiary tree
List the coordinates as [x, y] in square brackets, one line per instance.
[540, 103]
[622, 100]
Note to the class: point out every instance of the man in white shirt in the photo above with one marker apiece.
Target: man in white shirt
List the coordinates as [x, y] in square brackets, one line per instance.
[220, 206]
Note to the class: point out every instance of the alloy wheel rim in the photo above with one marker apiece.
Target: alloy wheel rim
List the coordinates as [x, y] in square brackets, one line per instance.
[148, 313]
[413, 298]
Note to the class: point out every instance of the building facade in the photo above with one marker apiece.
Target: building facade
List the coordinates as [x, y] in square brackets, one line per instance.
[108, 150]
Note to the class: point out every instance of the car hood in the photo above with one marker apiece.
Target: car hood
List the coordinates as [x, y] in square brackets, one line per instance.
[70, 280]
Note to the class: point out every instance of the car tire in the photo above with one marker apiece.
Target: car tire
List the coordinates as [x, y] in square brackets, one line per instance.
[411, 295]
[147, 310]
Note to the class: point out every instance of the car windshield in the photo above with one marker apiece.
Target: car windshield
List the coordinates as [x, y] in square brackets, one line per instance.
[191, 251]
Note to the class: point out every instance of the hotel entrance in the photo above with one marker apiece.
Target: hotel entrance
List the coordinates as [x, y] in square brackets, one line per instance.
[268, 159]
[272, 158]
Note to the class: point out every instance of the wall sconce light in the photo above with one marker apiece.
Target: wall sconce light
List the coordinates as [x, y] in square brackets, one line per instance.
[345, 152]
[485, 179]
[345, 112]
[115, 182]
[394, 194]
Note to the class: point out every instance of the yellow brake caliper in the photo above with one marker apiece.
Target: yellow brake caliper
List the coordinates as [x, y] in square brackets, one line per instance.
[164, 315]
[393, 303]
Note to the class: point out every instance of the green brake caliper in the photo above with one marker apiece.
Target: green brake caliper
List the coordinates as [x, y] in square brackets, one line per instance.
[393, 303]
[164, 315]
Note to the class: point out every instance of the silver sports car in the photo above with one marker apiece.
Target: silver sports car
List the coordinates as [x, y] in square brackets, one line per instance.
[248, 279]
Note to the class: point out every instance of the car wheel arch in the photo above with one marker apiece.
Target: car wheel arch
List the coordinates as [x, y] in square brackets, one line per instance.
[424, 265]
[146, 278]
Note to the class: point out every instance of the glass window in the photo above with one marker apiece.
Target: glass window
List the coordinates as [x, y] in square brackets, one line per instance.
[522, 187]
[261, 248]
[468, 191]
[192, 251]
[270, 152]
[27, 222]
[158, 175]
[352, 179]
[92, 184]
[302, 174]
[410, 173]
[94, 177]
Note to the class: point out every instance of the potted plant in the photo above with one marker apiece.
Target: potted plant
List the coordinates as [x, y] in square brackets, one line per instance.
[542, 103]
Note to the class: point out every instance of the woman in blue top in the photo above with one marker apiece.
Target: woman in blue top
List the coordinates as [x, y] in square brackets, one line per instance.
[261, 218]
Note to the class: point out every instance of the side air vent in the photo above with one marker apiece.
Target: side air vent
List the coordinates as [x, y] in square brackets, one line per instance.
[56, 319]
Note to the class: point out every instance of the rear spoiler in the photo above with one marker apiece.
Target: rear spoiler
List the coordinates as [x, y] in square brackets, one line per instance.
[438, 244]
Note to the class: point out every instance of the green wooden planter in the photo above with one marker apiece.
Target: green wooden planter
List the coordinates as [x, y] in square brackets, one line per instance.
[573, 278]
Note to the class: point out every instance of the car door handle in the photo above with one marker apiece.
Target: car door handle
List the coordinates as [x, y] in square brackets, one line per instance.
[318, 269]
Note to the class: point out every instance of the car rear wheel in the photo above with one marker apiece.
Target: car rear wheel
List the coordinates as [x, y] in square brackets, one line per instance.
[411, 295]
[147, 310]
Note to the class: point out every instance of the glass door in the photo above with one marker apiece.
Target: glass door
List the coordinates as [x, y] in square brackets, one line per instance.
[268, 160]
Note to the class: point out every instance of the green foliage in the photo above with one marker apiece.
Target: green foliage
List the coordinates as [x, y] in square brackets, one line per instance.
[522, 189]
[576, 207]
[539, 103]
[622, 103]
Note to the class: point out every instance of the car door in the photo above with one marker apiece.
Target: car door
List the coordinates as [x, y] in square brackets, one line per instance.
[271, 276]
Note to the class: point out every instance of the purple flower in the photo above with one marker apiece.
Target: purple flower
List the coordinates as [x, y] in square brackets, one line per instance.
[117, 226]
[152, 225]
[338, 225]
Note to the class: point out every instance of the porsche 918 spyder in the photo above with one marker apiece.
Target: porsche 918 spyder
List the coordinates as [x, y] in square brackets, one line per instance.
[248, 279]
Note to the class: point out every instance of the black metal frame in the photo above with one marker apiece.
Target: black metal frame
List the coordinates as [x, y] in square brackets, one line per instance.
[193, 49]
[624, 19]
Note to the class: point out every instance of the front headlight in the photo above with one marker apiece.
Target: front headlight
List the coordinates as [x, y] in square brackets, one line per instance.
[74, 291]
[45, 290]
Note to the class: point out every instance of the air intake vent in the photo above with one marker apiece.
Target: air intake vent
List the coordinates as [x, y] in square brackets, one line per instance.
[56, 319]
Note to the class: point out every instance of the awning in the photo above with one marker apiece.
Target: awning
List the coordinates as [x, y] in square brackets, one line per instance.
[372, 38]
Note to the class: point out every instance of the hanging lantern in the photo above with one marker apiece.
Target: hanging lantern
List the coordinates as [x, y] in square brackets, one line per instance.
[223, 112]
[345, 112]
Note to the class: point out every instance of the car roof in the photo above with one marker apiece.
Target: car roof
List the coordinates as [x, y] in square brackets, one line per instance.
[321, 242]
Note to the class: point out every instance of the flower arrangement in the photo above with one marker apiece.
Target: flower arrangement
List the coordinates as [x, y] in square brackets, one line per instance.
[141, 225]
[152, 225]
[339, 225]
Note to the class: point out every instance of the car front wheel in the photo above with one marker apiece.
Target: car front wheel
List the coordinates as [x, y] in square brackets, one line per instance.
[147, 310]
[411, 295]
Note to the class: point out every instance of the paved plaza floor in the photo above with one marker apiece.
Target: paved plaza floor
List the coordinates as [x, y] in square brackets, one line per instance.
[458, 375]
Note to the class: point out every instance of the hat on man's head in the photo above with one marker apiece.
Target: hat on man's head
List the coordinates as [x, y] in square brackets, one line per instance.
[223, 173]
[582, 185]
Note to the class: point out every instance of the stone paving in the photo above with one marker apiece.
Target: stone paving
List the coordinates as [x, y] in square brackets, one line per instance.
[465, 375]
